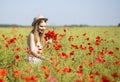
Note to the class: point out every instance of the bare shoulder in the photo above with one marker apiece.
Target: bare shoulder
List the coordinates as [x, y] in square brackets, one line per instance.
[30, 37]
[30, 41]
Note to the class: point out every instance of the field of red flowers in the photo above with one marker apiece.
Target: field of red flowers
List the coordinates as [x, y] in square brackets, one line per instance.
[77, 55]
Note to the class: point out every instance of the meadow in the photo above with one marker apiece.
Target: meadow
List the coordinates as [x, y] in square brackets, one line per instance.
[86, 54]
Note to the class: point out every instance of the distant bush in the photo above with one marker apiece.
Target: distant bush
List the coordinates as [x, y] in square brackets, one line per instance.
[119, 25]
[75, 25]
[10, 25]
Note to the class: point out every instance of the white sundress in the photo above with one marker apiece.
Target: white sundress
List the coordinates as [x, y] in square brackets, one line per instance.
[37, 49]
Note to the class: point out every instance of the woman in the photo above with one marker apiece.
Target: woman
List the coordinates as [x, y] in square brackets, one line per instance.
[36, 40]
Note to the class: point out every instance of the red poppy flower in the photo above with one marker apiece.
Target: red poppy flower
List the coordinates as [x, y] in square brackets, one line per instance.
[28, 70]
[71, 53]
[47, 75]
[74, 46]
[91, 76]
[64, 30]
[104, 79]
[91, 64]
[50, 34]
[96, 73]
[6, 46]
[3, 72]
[98, 37]
[63, 55]
[18, 49]
[89, 43]
[1, 80]
[26, 78]
[90, 49]
[57, 46]
[62, 35]
[98, 41]
[111, 52]
[99, 59]
[13, 40]
[80, 66]
[34, 78]
[79, 73]
[27, 50]
[115, 75]
[83, 48]
[70, 38]
[66, 69]
[81, 79]
[30, 78]
[87, 39]
[116, 63]
[16, 73]
[84, 34]
[44, 68]
[116, 48]
[3, 35]
[17, 57]
[52, 58]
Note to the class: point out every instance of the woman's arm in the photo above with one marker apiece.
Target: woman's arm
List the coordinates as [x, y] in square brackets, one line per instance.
[38, 56]
[32, 48]
[47, 42]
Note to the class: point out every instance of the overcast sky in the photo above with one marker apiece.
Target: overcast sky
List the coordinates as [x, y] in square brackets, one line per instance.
[61, 12]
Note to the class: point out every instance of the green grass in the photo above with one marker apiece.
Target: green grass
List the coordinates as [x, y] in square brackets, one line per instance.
[109, 41]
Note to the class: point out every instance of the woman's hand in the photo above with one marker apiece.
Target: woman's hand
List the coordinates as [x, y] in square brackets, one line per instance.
[49, 41]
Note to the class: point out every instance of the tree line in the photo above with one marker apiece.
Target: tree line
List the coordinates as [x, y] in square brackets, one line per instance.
[73, 25]
[10, 25]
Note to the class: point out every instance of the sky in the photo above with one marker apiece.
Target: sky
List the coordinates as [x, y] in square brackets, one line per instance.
[61, 12]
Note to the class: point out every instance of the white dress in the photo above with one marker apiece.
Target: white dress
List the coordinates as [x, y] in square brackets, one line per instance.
[37, 49]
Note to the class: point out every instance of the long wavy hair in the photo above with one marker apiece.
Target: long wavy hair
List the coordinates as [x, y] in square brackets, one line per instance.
[38, 36]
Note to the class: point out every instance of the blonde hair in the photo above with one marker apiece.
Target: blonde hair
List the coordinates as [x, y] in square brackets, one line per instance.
[37, 36]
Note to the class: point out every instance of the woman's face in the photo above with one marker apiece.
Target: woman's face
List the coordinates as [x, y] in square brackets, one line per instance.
[42, 26]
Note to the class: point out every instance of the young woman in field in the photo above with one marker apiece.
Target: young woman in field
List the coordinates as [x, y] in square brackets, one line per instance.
[36, 40]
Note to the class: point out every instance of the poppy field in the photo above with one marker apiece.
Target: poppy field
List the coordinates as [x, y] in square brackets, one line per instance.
[86, 54]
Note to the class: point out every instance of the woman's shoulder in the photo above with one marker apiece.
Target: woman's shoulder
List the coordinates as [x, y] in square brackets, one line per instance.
[30, 34]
